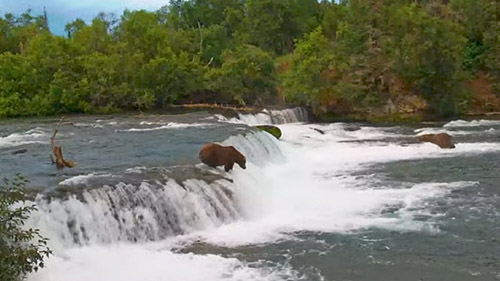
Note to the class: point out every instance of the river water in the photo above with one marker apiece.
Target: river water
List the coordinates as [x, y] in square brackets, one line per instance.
[326, 202]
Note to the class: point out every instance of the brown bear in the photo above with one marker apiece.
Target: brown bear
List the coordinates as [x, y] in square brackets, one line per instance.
[215, 155]
[443, 140]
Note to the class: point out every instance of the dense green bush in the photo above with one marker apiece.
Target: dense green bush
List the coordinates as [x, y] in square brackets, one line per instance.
[21, 250]
[348, 55]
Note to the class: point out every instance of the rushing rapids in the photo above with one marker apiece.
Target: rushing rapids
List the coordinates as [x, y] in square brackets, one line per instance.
[150, 204]
[325, 202]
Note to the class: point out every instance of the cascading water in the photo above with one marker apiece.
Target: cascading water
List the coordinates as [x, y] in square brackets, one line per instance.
[306, 207]
[270, 117]
[150, 209]
[128, 212]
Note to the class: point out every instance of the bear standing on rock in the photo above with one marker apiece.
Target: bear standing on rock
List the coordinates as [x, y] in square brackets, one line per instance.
[215, 155]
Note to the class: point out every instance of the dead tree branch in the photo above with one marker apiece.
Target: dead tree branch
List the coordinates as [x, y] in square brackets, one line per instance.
[57, 151]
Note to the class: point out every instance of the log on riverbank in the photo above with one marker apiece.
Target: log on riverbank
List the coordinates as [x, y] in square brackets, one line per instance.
[217, 106]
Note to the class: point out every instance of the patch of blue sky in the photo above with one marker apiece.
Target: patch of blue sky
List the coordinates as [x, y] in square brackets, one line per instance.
[61, 12]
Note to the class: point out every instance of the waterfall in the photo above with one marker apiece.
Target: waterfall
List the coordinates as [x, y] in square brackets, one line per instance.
[270, 117]
[139, 206]
[127, 212]
[150, 204]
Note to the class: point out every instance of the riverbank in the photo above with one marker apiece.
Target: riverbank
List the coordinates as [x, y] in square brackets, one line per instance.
[232, 111]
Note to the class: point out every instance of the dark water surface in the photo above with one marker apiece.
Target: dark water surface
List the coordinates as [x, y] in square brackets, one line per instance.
[107, 144]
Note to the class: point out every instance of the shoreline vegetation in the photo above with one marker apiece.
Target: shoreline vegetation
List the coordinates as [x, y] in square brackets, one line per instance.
[369, 60]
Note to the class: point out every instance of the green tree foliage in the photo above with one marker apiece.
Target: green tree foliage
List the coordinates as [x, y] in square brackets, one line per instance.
[429, 55]
[21, 250]
[246, 75]
[341, 56]
[15, 32]
[370, 52]
[170, 77]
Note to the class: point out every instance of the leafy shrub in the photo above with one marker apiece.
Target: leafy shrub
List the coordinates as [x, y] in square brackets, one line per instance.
[21, 250]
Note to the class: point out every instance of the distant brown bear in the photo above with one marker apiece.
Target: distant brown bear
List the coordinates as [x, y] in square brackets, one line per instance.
[215, 155]
[442, 140]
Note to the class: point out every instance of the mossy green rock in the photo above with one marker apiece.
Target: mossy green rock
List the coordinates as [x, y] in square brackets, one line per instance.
[273, 130]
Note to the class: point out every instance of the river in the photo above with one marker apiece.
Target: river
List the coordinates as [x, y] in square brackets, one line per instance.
[340, 201]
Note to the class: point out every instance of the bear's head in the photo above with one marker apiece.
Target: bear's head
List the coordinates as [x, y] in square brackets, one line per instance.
[242, 163]
[240, 158]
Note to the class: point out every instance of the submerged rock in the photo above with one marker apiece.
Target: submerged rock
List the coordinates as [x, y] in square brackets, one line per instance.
[352, 128]
[273, 130]
[442, 140]
[20, 151]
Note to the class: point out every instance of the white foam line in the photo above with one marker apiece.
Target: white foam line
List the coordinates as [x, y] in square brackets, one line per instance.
[82, 179]
[152, 123]
[473, 123]
[423, 131]
[168, 126]
[36, 135]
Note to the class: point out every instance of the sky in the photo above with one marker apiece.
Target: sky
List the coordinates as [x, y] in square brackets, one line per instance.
[61, 12]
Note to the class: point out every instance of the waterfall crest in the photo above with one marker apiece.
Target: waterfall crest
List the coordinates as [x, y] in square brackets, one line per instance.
[150, 204]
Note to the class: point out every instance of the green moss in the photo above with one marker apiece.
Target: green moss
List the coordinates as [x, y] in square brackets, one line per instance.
[273, 130]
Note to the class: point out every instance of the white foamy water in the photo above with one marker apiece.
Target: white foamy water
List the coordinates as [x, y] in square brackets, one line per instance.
[126, 212]
[152, 123]
[310, 191]
[36, 135]
[424, 131]
[171, 125]
[87, 125]
[267, 117]
[149, 263]
[82, 179]
[473, 123]
[303, 182]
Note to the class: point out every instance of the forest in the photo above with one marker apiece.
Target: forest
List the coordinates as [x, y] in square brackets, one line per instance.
[363, 58]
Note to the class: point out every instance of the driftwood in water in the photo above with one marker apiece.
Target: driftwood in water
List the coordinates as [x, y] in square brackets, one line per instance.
[57, 151]
[319, 131]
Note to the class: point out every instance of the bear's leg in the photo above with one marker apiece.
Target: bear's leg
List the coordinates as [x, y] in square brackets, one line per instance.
[228, 167]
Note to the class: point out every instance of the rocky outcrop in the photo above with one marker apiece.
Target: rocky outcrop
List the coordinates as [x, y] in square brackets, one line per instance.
[273, 130]
[442, 140]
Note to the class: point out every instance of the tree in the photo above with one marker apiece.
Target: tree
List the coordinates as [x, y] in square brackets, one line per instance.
[92, 38]
[271, 25]
[170, 77]
[429, 56]
[21, 250]
[74, 26]
[320, 75]
[247, 75]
